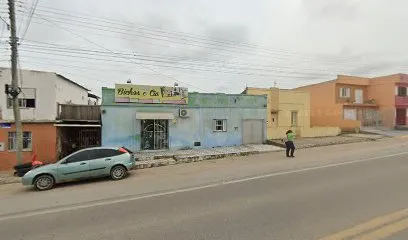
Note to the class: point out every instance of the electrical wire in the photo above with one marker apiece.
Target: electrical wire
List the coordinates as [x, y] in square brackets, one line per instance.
[161, 57]
[96, 44]
[131, 35]
[186, 67]
[35, 4]
[183, 35]
[70, 21]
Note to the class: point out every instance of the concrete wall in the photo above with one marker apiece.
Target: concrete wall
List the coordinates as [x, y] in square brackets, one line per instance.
[382, 89]
[43, 83]
[121, 128]
[49, 90]
[320, 132]
[44, 140]
[325, 111]
[69, 92]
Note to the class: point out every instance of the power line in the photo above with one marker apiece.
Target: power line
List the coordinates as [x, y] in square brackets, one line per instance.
[3, 30]
[35, 4]
[190, 68]
[60, 19]
[160, 58]
[72, 54]
[169, 39]
[81, 69]
[42, 45]
[230, 56]
[5, 22]
[184, 35]
[22, 20]
[94, 43]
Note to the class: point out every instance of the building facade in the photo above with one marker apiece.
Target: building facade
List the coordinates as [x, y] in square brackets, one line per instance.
[194, 120]
[43, 100]
[352, 102]
[290, 109]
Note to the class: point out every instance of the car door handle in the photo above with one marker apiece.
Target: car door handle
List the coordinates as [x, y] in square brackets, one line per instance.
[107, 159]
[82, 163]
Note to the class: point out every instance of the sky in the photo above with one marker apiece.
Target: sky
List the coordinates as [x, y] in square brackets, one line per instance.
[209, 45]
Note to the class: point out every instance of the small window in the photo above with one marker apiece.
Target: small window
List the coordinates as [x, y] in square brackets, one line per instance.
[12, 141]
[402, 91]
[345, 92]
[80, 156]
[294, 118]
[104, 153]
[26, 99]
[22, 102]
[350, 114]
[220, 125]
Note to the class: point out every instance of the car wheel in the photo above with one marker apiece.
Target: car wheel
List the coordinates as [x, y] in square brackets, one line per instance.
[118, 172]
[44, 182]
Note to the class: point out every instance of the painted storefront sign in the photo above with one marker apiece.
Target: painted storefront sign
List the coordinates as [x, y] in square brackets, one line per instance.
[127, 93]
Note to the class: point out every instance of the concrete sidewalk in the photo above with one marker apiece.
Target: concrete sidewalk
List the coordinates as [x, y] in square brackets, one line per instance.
[7, 178]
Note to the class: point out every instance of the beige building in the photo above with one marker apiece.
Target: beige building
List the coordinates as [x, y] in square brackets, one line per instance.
[290, 109]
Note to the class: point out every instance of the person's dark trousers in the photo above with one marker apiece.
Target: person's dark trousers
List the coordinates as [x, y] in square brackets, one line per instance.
[290, 148]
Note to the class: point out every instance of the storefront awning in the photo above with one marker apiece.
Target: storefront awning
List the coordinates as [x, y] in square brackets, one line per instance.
[154, 115]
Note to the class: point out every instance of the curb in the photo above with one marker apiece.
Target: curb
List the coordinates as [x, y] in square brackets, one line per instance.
[401, 137]
[181, 159]
[311, 145]
[338, 143]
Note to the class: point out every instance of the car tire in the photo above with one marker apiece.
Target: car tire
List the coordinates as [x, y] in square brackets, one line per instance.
[44, 182]
[118, 172]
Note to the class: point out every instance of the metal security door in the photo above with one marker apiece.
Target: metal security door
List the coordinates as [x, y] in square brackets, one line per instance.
[89, 138]
[154, 134]
[401, 118]
[252, 131]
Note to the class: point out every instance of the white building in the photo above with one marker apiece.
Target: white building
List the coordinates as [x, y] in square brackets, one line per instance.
[59, 116]
[40, 94]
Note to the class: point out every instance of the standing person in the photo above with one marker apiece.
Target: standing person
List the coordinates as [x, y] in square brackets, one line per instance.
[290, 146]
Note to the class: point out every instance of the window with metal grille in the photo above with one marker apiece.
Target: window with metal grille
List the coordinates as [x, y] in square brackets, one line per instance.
[294, 118]
[12, 141]
[220, 125]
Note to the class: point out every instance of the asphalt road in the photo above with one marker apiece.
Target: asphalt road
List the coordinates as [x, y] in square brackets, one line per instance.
[355, 191]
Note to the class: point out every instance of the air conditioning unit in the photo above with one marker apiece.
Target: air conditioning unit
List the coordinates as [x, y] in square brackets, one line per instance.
[184, 113]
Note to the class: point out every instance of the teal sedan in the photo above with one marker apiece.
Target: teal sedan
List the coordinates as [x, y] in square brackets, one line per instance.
[83, 164]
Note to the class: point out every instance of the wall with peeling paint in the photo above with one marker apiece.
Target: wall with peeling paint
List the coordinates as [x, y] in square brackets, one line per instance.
[121, 128]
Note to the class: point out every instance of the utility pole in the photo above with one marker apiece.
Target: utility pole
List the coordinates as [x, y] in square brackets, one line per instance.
[15, 90]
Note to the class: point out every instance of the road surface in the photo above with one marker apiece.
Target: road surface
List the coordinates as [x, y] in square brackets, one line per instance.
[354, 191]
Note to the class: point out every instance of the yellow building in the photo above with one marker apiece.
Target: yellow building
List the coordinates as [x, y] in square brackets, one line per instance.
[290, 109]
